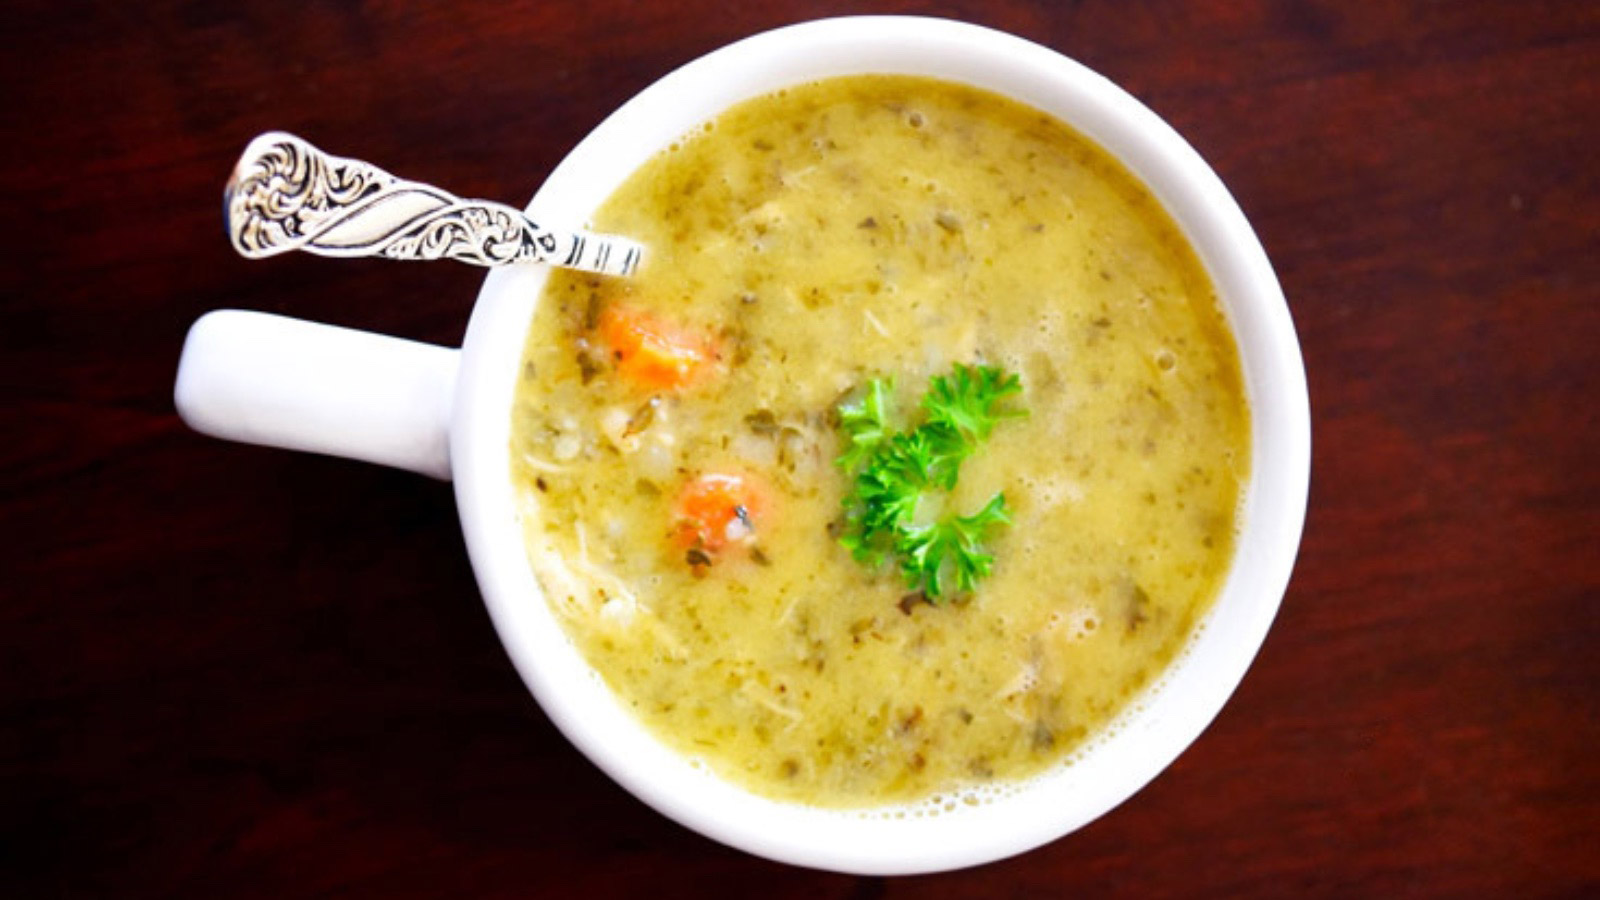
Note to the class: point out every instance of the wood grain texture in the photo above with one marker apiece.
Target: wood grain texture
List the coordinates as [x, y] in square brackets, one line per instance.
[231, 671]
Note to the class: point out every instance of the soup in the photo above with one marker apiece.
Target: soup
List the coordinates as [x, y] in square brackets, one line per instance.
[694, 512]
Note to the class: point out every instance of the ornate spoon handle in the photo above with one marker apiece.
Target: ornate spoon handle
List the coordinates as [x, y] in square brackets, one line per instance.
[286, 195]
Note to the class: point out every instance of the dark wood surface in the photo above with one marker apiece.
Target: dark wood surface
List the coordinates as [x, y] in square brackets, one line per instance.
[233, 671]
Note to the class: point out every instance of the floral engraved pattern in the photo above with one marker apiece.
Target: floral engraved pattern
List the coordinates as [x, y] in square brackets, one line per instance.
[288, 195]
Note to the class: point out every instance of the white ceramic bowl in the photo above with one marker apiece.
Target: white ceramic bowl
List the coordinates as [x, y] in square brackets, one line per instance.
[395, 403]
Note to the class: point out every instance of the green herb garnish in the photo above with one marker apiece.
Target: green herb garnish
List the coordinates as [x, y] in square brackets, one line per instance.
[893, 471]
[866, 423]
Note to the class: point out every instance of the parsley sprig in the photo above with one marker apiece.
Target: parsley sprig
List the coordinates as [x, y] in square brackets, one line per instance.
[892, 471]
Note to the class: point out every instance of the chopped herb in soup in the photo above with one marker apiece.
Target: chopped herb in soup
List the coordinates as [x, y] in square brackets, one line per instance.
[909, 458]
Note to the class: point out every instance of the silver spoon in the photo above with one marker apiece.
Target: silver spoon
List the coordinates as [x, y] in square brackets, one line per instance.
[287, 195]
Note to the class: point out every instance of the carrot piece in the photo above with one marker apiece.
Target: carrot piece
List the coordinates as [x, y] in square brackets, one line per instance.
[653, 353]
[719, 509]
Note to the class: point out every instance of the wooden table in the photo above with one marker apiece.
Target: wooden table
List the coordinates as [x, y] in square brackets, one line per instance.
[234, 671]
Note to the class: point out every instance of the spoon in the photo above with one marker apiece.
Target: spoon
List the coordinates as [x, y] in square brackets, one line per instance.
[287, 195]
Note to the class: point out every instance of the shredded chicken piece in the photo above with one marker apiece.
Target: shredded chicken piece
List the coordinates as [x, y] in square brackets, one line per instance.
[1017, 689]
[873, 321]
[539, 465]
[793, 715]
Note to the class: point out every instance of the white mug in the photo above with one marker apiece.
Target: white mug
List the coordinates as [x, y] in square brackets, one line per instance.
[447, 413]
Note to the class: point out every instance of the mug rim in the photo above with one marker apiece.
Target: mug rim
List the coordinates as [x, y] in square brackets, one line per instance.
[1145, 739]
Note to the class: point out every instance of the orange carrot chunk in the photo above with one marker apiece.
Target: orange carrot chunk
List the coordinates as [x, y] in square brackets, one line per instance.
[652, 353]
[718, 510]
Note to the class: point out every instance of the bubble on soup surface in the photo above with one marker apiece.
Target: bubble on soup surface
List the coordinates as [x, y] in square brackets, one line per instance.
[1074, 624]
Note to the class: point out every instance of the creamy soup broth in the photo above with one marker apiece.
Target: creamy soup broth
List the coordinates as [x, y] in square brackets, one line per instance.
[809, 241]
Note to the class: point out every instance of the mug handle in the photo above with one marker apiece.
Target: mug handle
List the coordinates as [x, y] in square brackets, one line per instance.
[281, 382]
